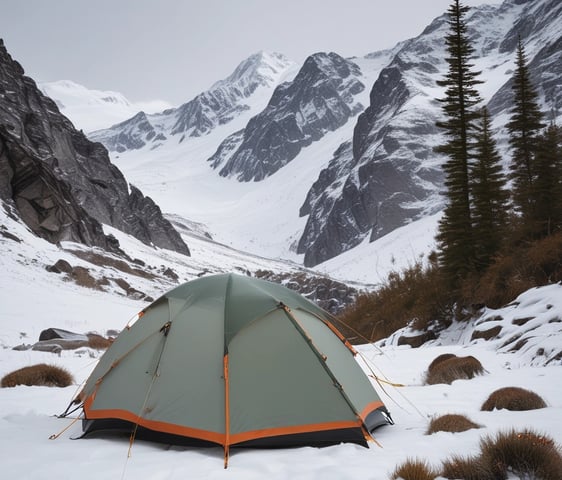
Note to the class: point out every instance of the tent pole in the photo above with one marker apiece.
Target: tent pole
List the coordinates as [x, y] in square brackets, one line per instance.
[226, 411]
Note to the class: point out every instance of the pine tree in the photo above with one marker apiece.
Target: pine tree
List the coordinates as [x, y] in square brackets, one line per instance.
[489, 196]
[524, 127]
[547, 189]
[455, 239]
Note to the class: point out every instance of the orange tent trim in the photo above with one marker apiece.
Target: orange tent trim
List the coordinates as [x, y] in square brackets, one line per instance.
[221, 438]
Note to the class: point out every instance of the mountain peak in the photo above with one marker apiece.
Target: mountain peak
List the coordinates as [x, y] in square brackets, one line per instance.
[261, 68]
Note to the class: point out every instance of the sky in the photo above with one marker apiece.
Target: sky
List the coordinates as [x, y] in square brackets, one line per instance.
[173, 49]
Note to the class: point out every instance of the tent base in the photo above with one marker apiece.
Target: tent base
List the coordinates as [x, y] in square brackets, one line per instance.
[313, 439]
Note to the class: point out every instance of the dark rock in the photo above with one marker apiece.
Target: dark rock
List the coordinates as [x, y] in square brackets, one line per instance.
[61, 266]
[486, 334]
[57, 333]
[329, 294]
[416, 341]
[171, 274]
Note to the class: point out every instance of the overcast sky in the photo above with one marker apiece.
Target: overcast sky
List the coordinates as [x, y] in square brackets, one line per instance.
[173, 49]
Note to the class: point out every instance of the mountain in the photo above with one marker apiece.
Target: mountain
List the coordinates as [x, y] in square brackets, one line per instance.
[62, 185]
[320, 99]
[224, 101]
[309, 175]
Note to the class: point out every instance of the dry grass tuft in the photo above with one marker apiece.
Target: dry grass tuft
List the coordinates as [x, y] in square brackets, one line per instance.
[513, 398]
[525, 453]
[437, 360]
[417, 296]
[448, 370]
[450, 423]
[471, 468]
[39, 375]
[414, 469]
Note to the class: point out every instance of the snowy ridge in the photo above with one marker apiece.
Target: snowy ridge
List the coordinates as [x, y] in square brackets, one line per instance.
[320, 99]
[250, 83]
[94, 109]
[529, 327]
[262, 68]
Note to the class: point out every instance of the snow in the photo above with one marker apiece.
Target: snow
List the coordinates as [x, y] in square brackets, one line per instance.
[33, 299]
[370, 262]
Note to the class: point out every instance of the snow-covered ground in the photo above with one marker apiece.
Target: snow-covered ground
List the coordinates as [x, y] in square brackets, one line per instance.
[33, 299]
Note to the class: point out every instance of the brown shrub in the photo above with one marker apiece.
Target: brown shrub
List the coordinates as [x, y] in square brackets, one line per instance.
[413, 469]
[513, 398]
[471, 468]
[440, 358]
[520, 266]
[40, 375]
[454, 368]
[97, 342]
[450, 423]
[418, 296]
[526, 453]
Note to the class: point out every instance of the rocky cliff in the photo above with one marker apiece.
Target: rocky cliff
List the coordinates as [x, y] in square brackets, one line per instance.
[62, 184]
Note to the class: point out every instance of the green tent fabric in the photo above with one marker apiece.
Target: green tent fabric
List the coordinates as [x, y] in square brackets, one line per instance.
[234, 361]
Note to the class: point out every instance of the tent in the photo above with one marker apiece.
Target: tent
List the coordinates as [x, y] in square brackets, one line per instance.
[232, 360]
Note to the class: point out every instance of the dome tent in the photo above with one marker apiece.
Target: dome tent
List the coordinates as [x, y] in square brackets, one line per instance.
[234, 361]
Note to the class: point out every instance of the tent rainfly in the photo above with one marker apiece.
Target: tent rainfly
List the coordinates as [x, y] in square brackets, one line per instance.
[233, 361]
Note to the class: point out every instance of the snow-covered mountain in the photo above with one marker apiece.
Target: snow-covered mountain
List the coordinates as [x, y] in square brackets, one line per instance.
[320, 99]
[324, 179]
[358, 180]
[92, 109]
[248, 85]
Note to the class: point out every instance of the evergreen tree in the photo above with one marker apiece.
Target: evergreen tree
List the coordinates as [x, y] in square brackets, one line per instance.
[524, 127]
[547, 189]
[489, 196]
[456, 243]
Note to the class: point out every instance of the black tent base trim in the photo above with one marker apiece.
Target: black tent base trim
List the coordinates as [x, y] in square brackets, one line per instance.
[121, 428]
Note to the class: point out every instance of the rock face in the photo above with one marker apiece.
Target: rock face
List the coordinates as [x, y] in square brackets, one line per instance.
[223, 102]
[62, 184]
[319, 100]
